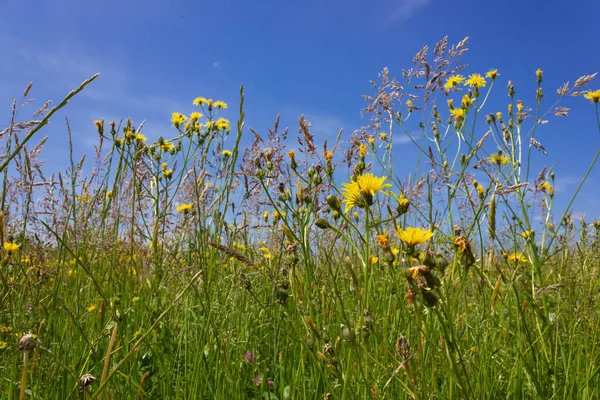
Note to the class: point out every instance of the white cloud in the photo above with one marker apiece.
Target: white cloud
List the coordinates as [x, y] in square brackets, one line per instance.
[405, 9]
[401, 139]
[565, 182]
[324, 125]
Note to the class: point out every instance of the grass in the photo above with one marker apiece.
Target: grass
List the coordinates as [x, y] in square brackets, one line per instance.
[194, 267]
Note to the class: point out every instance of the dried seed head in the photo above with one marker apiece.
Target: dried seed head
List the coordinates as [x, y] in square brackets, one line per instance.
[402, 347]
[347, 333]
[27, 342]
[86, 380]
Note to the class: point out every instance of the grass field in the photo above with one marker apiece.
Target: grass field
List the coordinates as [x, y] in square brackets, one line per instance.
[227, 263]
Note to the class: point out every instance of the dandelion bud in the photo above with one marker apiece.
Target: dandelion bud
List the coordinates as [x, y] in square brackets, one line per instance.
[27, 342]
[322, 223]
[539, 93]
[334, 202]
[311, 172]
[538, 74]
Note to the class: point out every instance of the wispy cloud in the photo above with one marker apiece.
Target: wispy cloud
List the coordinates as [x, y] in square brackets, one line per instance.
[402, 10]
[325, 125]
[401, 139]
[565, 182]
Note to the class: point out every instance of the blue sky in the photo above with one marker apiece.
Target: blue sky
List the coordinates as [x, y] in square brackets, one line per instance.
[312, 57]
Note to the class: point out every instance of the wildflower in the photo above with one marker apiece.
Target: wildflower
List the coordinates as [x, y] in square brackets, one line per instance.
[546, 187]
[28, 342]
[371, 140]
[593, 96]
[257, 380]
[453, 81]
[223, 124]
[139, 137]
[220, 104]
[226, 153]
[91, 308]
[200, 101]
[184, 208]
[475, 80]
[167, 173]
[178, 119]
[492, 74]
[527, 234]
[498, 159]
[538, 74]
[480, 191]
[450, 105]
[362, 149]
[266, 216]
[3, 345]
[328, 156]
[464, 247]
[409, 104]
[266, 252]
[167, 146]
[383, 136]
[403, 204]
[551, 226]
[458, 113]
[291, 154]
[414, 236]
[86, 380]
[195, 116]
[373, 260]
[11, 247]
[360, 192]
[383, 240]
[516, 258]
[466, 101]
[250, 357]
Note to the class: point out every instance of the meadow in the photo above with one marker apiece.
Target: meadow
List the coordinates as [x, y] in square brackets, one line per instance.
[223, 263]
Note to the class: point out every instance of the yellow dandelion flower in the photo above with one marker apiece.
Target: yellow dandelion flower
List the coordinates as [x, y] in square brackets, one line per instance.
[492, 74]
[223, 124]
[395, 251]
[458, 114]
[11, 247]
[498, 159]
[528, 234]
[220, 104]
[98, 124]
[360, 192]
[546, 187]
[91, 308]
[475, 80]
[195, 116]
[538, 74]
[383, 136]
[466, 101]
[178, 119]
[516, 258]
[168, 173]
[200, 101]
[453, 81]
[140, 138]
[383, 240]
[184, 208]
[266, 252]
[414, 236]
[362, 149]
[167, 146]
[373, 260]
[593, 96]
[409, 104]
[371, 140]
[266, 216]
[551, 226]
[291, 154]
[226, 153]
[328, 156]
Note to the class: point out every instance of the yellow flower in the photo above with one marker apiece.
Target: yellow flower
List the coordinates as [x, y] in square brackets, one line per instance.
[220, 104]
[593, 96]
[195, 116]
[266, 252]
[3, 345]
[395, 251]
[453, 81]
[184, 208]
[11, 247]
[475, 80]
[91, 308]
[538, 74]
[200, 101]
[223, 124]
[492, 74]
[168, 173]
[178, 119]
[498, 159]
[98, 124]
[328, 156]
[458, 113]
[360, 192]
[413, 236]
[383, 240]
[516, 258]
[291, 154]
[409, 104]
[139, 137]
[383, 136]
[167, 146]
[551, 226]
[226, 153]
[266, 215]
[546, 187]
[466, 101]
[373, 260]
[371, 140]
[362, 149]
[527, 234]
